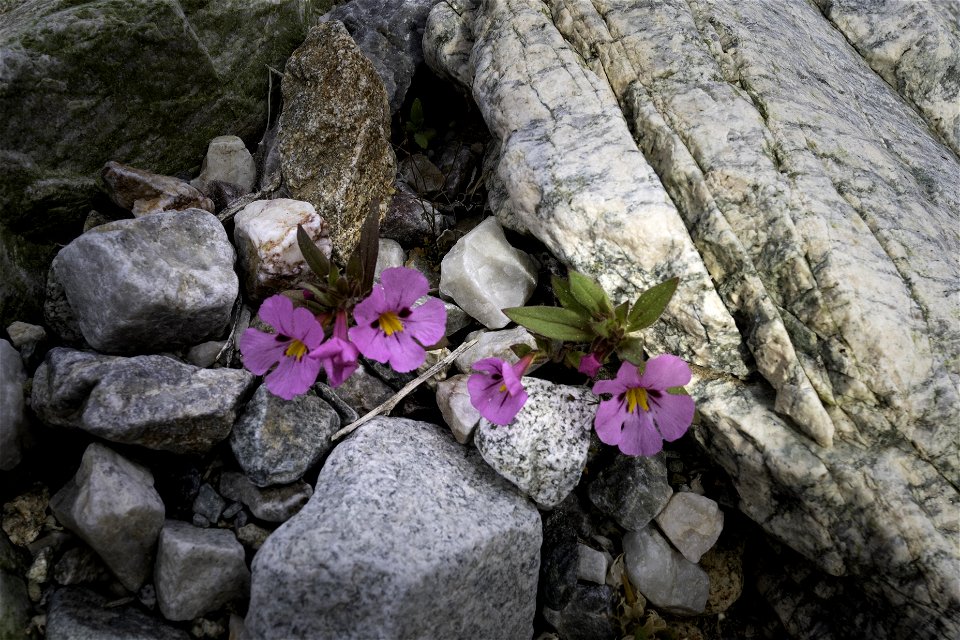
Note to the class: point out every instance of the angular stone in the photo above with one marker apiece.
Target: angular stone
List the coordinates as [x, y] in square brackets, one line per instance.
[389, 33]
[412, 220]
[364, 391]
[391, 254]
[693, 524]
[78, 565]
[141, 192]
[632, 490]
[228, 160]
[482, 273]
[421, 174]
[204, 355]
[273, 504]
[276, 441]
[724, 567]
[591, 614]
[77, 613]
[662, 575]
[495, 344]
[198, 570]
[265, 234]
[443, 535]
[152, 283]
[591, 564]
[208, 503]
[453, 400]
[112, 506]
[457, 318]
[13, 426]
[152, 401]
[543, 451]
[335, 148]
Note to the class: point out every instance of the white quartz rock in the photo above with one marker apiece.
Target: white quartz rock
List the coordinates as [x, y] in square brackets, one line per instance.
[592, 565]
[484, 274]
[228, 160]
[391, 254]
[692, 523]
[662, 575]
[265, 235]
[454, 402]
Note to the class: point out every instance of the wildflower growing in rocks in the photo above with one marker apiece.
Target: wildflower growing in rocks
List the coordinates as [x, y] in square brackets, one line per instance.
[642, 412]
[337, 355]
[496, 392]
[287, 352]
[390, 329]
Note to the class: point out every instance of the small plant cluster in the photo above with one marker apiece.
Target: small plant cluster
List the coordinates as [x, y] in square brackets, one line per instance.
[313, 329]
[644, 405]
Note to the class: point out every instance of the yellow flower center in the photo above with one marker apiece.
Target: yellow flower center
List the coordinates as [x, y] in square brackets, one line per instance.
[502, 388]
[637, 396]
[296, 349]
[390, 323]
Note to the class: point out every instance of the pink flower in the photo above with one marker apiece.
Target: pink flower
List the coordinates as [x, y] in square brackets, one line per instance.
[497, 392]
[297, 333]
[589, 364]
[338, 355]
[641, 414]
[390, 329]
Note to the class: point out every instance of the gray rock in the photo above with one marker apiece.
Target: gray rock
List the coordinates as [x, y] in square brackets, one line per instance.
[70, 66]
[198, 570]
[208, 503]
[592, 565]
[457, 318]
[25, 336]
[141, 192]
[273, 504]
[57, 312]
[913, 46]
[421, 174]
[335, 148]
[389, 33]
[364, 391]
[152, 283]
[404, 528]
[112, 506]
[152, 401]
[448, 40]
[228, 160]
[391, 254]
[591, 614]
[204, 355]
[77, 613]
[13, 426]
[412, 220]
[78, 565]
[692, 523]
[632, 490]
[482, 273]
[495, 344]
[662, 575]
[453, 400]
[14, 606]
[276, 441]
[24, 264]
[543, 451]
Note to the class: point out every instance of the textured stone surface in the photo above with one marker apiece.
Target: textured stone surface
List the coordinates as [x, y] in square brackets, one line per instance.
[495, 344]
[153, 283]
[544, 449]
[24, 264]
[412, 220]
[273, 504]
[390, 254]
[692, 523]
[632, 490]
[152, 401]
[80, 614]
[662, 575]
[335, 136]
[265, 234]
[141, 192]
[453, 400]
[591, 614]
[13, 426]
[81, 69]
[228, 160]
[591, 564]
[404, 529]
[198, 570]
[111, 505]
[915, 47]
[208, 503]
[14, 605]
[482, 273]
[276, 441]
[389, 32]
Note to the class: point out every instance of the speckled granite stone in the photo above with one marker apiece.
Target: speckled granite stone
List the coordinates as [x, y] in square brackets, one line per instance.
[544, 449]
[408, 535]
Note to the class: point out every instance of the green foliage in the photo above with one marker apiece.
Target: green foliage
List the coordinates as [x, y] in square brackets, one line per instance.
[417, 127]
[552, 322]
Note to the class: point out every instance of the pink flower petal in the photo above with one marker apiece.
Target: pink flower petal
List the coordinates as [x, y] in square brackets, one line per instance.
[292, 378]
[609, 386]
[368, 310]
[371, 342]
[428, 322]
[629, 376]
[589, 365]
[339, 359]
[261, 350]
[511, 377]
[404, 352]
[609, 420]
[402, 287]
[672, 415]
[276, 311]
[489, 365]
[663, 372]
[304, 327]
[499, 407]
[640, 438]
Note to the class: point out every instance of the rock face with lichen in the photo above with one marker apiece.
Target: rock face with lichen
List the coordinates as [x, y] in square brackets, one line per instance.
[812, 216]
[335, 148]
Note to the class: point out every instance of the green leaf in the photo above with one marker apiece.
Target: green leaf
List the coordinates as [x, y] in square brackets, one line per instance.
[631, 350]
[590, 294]
[363, 261]
[314, 258]
[678, 391]
[651, 304]
[551, 322]
[620, 312]
[561, 289]
[521, 349]
[421, 139]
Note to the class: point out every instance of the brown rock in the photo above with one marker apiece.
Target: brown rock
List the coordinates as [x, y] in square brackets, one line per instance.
[724, 565]
[142, 192]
